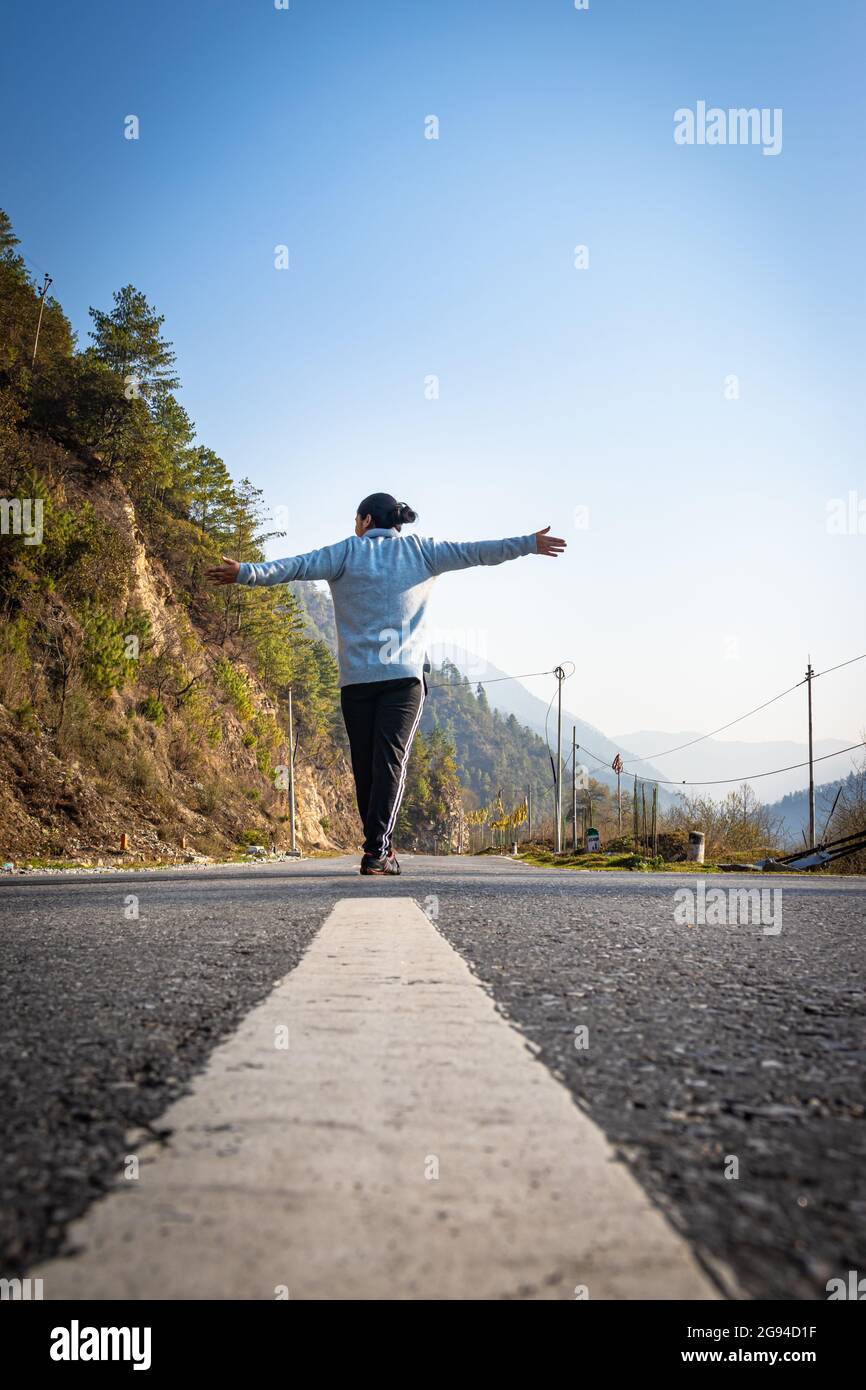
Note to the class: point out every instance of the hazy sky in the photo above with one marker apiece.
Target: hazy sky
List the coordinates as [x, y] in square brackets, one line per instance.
[703, 572]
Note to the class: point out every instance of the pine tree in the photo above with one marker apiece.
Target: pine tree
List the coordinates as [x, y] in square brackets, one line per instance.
[8, 239]
[208, 493]
[129, 341]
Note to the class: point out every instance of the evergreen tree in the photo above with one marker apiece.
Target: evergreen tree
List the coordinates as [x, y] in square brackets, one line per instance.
[19, 315]
[207, 492]
[8, 239]
[129, 341]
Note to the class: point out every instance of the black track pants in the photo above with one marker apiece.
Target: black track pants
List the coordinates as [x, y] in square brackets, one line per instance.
[381, 718]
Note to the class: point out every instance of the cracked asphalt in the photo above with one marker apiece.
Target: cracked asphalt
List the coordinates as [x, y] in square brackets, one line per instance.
[724, 1064]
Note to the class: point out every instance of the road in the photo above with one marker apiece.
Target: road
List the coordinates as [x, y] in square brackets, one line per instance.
[589, 1090]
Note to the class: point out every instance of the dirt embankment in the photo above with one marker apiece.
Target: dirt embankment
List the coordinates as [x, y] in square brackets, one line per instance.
[187, 775]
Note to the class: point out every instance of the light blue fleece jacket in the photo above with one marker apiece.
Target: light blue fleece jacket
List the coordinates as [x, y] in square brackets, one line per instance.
[381, 584]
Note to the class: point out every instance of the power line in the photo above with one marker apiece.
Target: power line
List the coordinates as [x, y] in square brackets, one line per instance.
[17, 251]
[30, 261]
[651, 757]
[489, 680]
[684, 782]
[753, 776]
[816, 674]
[721, 781]
[724, 781]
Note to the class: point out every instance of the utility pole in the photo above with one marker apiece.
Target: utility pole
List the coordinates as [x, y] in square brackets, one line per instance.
[557, 832]
[574, 787]
[294, 848]
[529, 813]
[809, 675]
[45, 283]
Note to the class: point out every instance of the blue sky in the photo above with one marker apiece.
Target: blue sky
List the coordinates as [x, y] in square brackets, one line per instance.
[706, 574]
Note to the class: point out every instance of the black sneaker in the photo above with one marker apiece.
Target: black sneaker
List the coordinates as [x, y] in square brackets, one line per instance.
[371, 864]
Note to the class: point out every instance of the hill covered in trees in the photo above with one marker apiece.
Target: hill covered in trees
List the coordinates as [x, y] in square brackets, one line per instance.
[133, 696]
[494, 754]
[467, 745]
[840, 809]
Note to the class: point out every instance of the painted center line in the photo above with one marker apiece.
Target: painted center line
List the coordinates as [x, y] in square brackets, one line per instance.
[375, 1129]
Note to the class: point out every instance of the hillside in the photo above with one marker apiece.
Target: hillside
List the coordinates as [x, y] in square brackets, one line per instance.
[510, 697]
[133, 696]
[180, 742]
[493, 753]
[792, 810]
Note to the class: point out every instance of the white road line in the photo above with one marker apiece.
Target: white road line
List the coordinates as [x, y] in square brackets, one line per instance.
[313, 1168]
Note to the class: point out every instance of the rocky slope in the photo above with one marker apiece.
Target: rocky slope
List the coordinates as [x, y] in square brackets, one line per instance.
[189, 783]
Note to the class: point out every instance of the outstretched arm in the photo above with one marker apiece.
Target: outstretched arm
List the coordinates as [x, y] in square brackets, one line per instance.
[326, 563]
[442, 556]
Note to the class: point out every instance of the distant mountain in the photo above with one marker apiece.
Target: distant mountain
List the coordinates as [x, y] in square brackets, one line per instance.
[793, 810]
[498, 738]
[596, 750]
[721, 758]
[706, 761]
[494, 752]
[319, 610]
[496, 755]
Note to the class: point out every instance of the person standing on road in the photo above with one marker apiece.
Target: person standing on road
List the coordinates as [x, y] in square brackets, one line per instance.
[380, 582]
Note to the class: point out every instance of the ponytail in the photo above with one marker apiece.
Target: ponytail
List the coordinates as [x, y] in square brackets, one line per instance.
[386, 511]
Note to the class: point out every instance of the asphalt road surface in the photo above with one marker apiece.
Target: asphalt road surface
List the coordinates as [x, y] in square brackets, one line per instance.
[723, 1063]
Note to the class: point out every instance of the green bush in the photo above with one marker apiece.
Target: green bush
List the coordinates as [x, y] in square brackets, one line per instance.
[235, 685]
[153, 709]
[25, 718]
[104, 658]
[142, 774]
